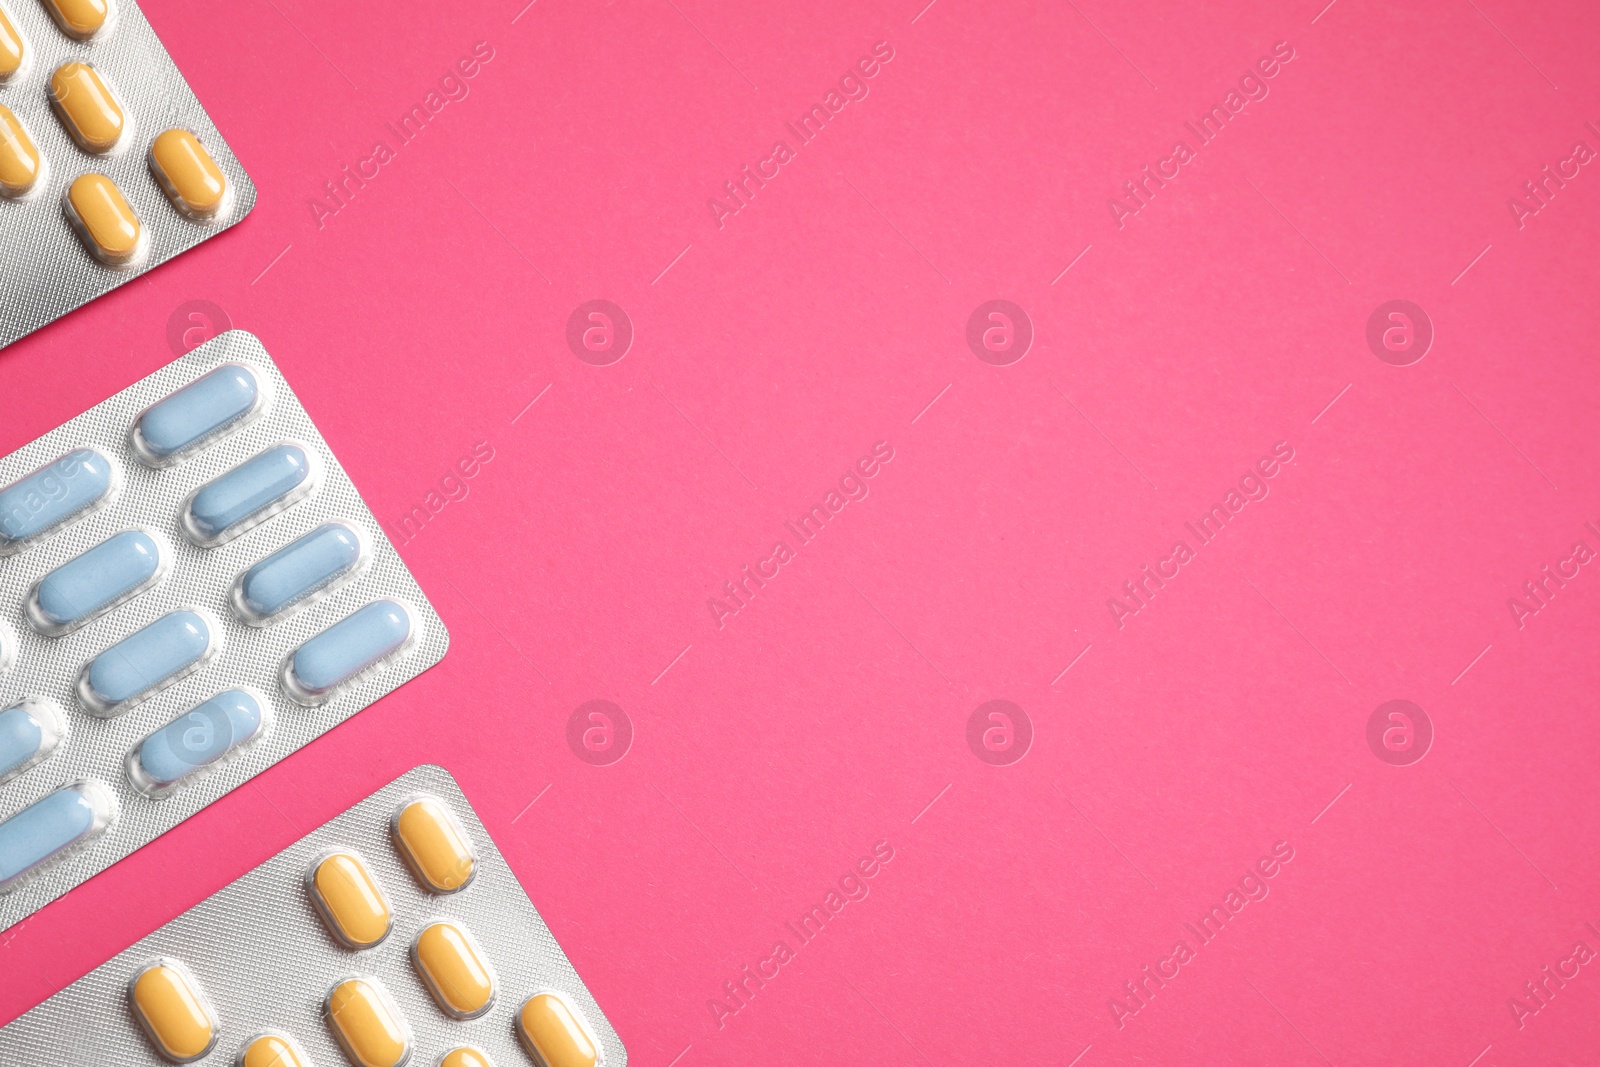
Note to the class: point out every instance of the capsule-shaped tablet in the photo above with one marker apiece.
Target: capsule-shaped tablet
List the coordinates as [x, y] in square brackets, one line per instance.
[170, 1005]
[243, 498]
[187, 174]
[433, 845]
[346, 650]
[554, 1033]
[86, 107]
[466, 1056]
[146, 661]
[13, 50]
[273, 1049]
[50, 826]
[104, 220]
[93, 583]
[369, 1027]
[198, 739]
[29, 732]
[43, 503]
[199, 415]
[302, 570]
[20, 161]
[454, 969]
[81, 19]
[349, 900]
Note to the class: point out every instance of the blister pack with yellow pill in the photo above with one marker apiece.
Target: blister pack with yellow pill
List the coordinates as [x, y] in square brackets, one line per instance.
[393, 935]
[108, 164]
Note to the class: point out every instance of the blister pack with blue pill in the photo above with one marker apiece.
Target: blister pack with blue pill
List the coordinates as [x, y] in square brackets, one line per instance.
[190, 589]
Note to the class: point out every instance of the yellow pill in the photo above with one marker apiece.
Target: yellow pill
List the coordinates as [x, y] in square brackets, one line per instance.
[20, 162]
[433, 846]
[86, 107]
[11, 47]
[104, 219]
[349, 899]
[173, 1011]
[453, 969]
[273, 1050]
[80, 18]
[187, 173]
[370, 1029]
[553, 1033]
[466, 1056]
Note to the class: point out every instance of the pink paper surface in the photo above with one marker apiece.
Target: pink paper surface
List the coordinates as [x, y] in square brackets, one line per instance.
[1173, 748]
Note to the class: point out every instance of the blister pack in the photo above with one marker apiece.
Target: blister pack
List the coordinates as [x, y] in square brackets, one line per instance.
[395, 934]
[108, 164]
[190, 590]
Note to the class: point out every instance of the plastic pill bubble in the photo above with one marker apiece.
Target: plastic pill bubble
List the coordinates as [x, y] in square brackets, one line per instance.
[187, 174]
[12, 50]
[348, 897]
[201, 737]
[20, 162]
[170, 1006]
[433, 845]
[466, 1056]
[273, 1050]
[29, 732]
[51, 825]
[554, 1034]
[346, 649]
[454, 969]
[248, 495]
[198, 415]
[40, 504]
[94, 582]
[86, 107]
[81, 19]
[104, 220]
[145, 662]
[368, 1026]
[305, 568]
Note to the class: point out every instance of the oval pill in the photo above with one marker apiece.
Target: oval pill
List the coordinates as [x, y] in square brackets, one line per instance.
[197, 739]
[149, 659]
[20, 162]
[273, 1050]
[91, 584]
[50, 497]
[187, 173]
[345, 649]
[208, 408]
[552, 1032]
[372, 1032]
[303, 567]
[453, 969]
[29, 732]
[12, 50]
[433, 846]
[349, 899]
[49, 826]
[173, 1011]
[80, 18]
[86, 107]
[104, 219]
[247, 495]
[466, 1056]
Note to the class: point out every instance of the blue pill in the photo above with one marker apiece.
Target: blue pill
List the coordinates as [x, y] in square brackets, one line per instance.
[28, 734]
[346, 648]
[297, 570]
[49, 826]
[93, 583]
[197, 739]
[146, 660]
[52, 495]
[197, 414]
[250, 493]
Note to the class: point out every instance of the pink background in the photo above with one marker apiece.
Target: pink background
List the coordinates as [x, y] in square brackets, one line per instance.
[823, 317]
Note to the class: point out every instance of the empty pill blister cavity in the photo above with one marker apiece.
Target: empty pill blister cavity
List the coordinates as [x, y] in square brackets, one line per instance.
[394, 935]
[198, 591]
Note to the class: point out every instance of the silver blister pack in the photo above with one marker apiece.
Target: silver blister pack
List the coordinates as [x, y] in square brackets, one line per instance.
[46, 270]
[264, 960]
[104, 743]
